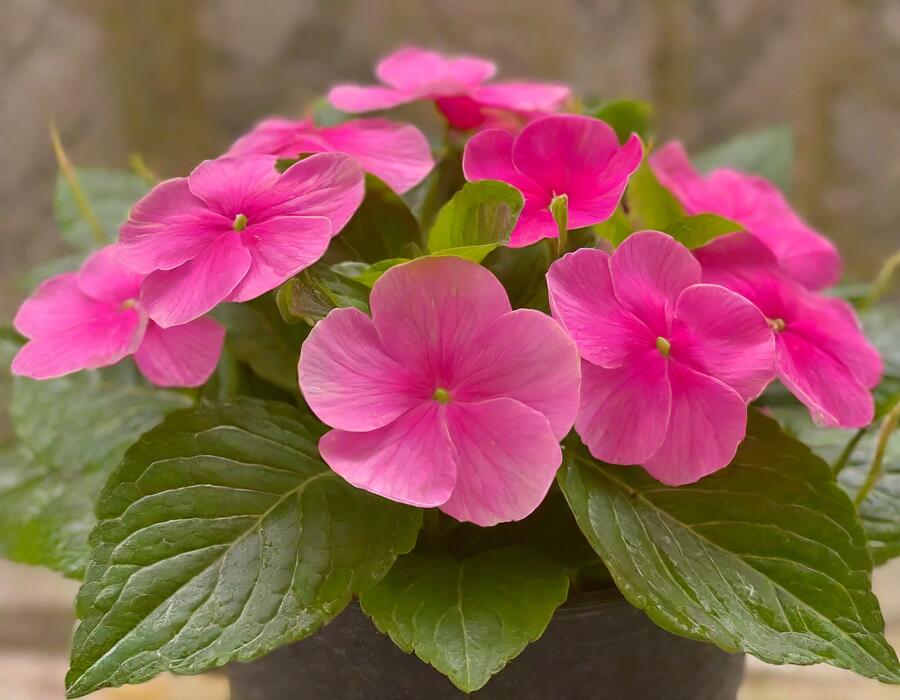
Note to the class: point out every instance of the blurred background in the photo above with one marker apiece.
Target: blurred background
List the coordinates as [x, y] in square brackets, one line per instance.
[177, 80]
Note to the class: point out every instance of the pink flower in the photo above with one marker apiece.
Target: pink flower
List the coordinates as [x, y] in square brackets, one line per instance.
[456, 84]
[758, 206]
[668, 364]
[445, 397]
[94, 318]
[397, 153]
[821, 354]
[234, 229]
[579, 157]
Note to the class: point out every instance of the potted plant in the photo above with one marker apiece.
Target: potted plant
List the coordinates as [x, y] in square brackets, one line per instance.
[328, 400]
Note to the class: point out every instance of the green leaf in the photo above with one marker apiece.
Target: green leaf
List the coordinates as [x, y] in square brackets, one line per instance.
[364, 273]
[522, 271]
[324, 114]
[651, 203]
[309, 296]
[221, 537]
[110, 195]
[765, 556]
[382, 227]
[695, 231]
[73, 432]
[478, 219]
[445, 180]
[626, 117]
[616, 228]
[467, 617]
[50, 268]
[768, 153]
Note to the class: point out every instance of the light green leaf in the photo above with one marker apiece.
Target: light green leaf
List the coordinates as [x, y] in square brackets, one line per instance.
[626, 117]
[651, 203]
[467, 617]
[309, 296]
[765, 556]
[221, 537]
[364, 273]
[768, 153]
[695, 231]
[110, 195]
[616, 228]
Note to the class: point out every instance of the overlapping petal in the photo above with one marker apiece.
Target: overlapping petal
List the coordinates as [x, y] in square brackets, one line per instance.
[104, 277]
[181, 356]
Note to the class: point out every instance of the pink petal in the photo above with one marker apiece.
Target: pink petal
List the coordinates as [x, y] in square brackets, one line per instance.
[462, 112]
[168, 227]
[410, 460]
[280, 247]
[707, 423]
[523, 96]
[412, 69]
[719, 333]
[524, 355]
[235, 185]
[104, 277]
[399, 154]
[582, 299]
[57, 304]
[359, 98]
[624, 411]
[507, 457]
[174, 297]
[181, 356]
[429, 311]
[488, 156]
[675, 172]
[594, 199]
[285, 138]
[348, 380]
[534, 224]
[649, 270]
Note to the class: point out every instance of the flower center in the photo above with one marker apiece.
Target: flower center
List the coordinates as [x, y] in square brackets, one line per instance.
[664, 346]
[240, 223]
[776, 324]
[441, 395]
[128, 304]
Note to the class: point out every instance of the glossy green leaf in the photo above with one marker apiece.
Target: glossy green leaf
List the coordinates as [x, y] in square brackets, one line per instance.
[649, 202]
[110, 195]
[478, 219]
[522, 271]
[626, 117]
[309, 296]
[767, 152]
[695, 231]
[445, 180]
[364, 273]
[469, 616]
[221, 537]
[765, 556]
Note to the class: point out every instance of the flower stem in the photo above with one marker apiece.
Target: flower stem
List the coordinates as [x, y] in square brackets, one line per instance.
[882, 282]
[559, 210]
[847, 452]
[888, 426]
[71, 176]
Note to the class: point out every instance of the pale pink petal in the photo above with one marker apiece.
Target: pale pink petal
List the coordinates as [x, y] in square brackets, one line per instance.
[326, 184]
[624, 412]
[507, 457]
[488, 156]
[720, 333]
[706, 425]
[582, 299]
[675, 172]
[285, 138]
[235, 185]
[825, 385]
[593, 199]
[360, 98]
[168, 227]
[410, 460]
[280, 247]
[524, 355]
[348, 380]
[427, 310]
[399, 154]
[523, 96]
[426, 73]
[181, 356]
[104, 277]
[649, 270]
[173, 297]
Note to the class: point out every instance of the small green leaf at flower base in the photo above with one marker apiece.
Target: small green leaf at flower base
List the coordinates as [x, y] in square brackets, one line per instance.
[651, 204]
[696, 231]
[364, 273]
[626, 117]
[221, 537]
[768, 153]
[766, 556]
[478, 219]
[467, 616]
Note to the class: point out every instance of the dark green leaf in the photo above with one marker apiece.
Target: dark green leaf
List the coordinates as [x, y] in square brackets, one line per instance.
[651, 203]
[467, 617]
[765, 556]
[221, 537]
[695, 231]
[309, 296]
[768, 153]
[522, 271]
[110, 195]
[626, 117]
[445, 180]
[478, 219]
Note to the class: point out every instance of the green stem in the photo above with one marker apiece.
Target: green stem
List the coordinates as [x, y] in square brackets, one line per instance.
[882, 281]
[81, 200]
[559, 209]
[847, 452]
[888, 426]
[136, 161]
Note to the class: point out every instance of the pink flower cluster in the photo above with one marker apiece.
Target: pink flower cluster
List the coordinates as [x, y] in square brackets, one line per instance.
[445, 396]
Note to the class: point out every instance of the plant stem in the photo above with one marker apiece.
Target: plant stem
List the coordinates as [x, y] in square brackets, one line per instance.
[559, 209]
[882, 282]
[847, 452]
[136, 161]
[81, 200]
[888, 426]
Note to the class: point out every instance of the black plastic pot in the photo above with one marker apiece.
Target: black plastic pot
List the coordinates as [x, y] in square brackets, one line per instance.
[591, 652]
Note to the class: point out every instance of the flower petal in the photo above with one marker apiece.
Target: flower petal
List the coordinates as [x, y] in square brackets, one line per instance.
[707, 423]
[524, 355]
[582, 299]
[428, 313]
[57, 304]
[507, 457]
[235, 185]
[523, 96]
[348, 380]
[488, 156]
[720, 333]
[279, 248]
[173, 297]
[362, 98]
[285, 138]
[534, 224]
[414, 70]
[649, 270]
[594, 199]
[410, 460]
[181, 356]
[624, 412]
[104, 277]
